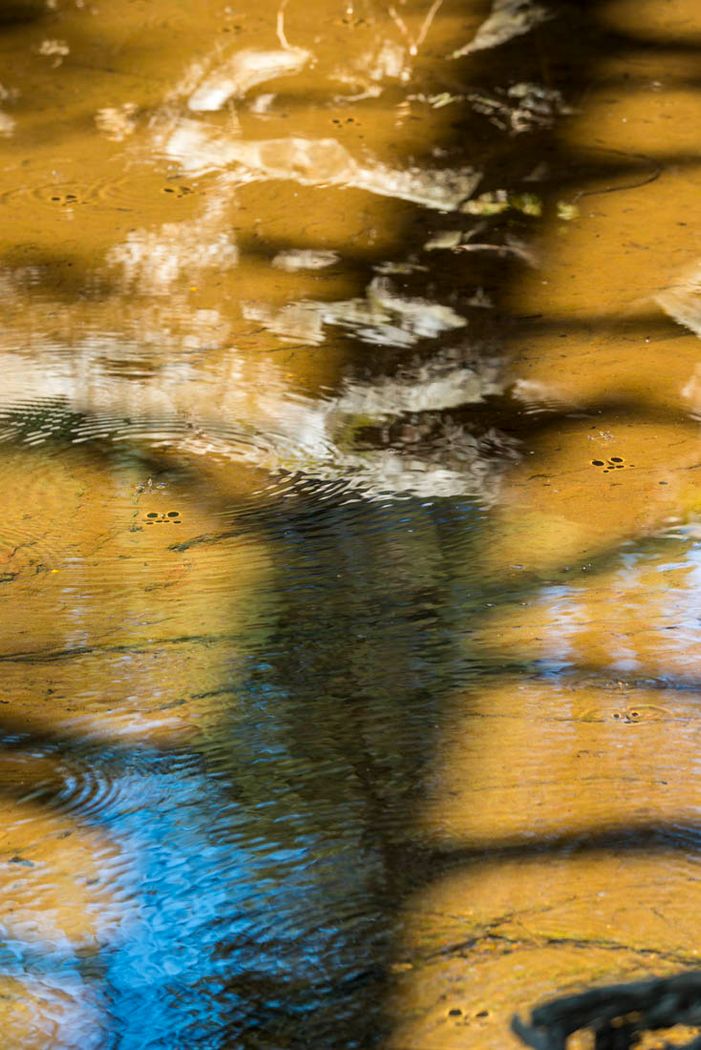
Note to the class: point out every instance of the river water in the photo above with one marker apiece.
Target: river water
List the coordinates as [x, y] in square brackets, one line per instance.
[350, 546]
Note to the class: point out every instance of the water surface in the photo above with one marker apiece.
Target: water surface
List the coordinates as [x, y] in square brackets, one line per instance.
[349, 547]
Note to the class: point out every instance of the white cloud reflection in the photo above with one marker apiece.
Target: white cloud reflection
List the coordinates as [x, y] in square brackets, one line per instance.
[200, 149]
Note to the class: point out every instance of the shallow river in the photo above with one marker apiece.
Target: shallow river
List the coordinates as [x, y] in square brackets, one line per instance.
[350, 544]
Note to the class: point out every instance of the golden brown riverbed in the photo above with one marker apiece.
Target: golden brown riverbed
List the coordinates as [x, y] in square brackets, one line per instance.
[350, 573]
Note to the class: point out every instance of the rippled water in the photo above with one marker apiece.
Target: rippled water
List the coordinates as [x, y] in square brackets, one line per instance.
[349, 544]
